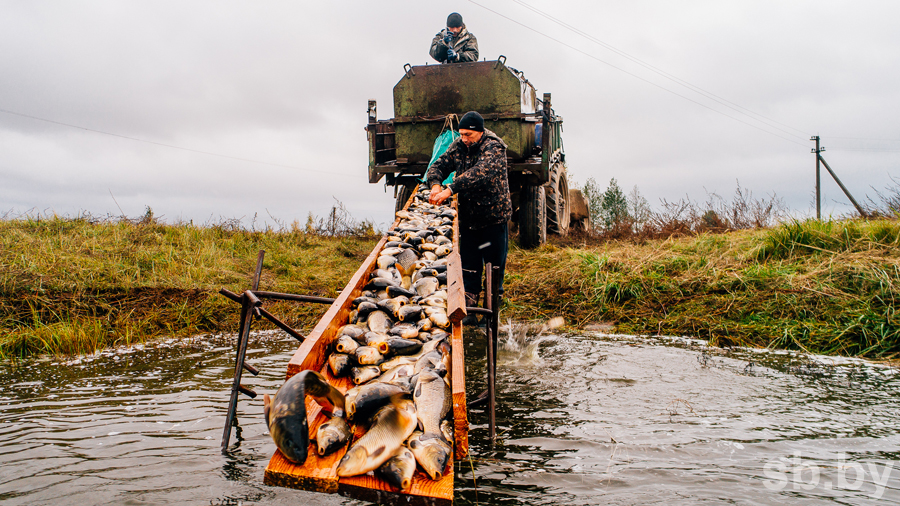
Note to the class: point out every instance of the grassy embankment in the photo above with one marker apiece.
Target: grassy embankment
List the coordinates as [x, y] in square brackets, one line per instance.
[69, 286]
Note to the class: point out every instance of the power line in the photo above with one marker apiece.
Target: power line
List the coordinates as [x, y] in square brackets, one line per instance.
[861, 139]
[871, 150]
[173, 146]
[634, 75]
[731, 105]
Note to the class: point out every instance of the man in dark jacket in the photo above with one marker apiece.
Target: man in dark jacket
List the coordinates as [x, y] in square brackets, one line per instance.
[482, 183]
[454, 44]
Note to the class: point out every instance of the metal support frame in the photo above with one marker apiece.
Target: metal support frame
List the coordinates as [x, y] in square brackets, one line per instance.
[251, 306]
[249, 303]
[492, 330]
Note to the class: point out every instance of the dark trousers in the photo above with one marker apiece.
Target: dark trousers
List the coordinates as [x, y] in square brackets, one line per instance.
[481, 246]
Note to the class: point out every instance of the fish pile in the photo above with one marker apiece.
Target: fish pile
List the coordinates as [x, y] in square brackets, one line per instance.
[396, 350]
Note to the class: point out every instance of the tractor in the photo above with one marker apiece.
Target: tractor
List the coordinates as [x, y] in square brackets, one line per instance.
[428, 98]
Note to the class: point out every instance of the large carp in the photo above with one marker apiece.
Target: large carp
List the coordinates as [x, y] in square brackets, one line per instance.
[286, 414]
[431, 449]
[391, 426]
[399, 470]
[364, 400]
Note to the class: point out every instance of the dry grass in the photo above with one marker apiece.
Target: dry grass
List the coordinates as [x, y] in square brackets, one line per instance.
[755, 288]
[71, 286]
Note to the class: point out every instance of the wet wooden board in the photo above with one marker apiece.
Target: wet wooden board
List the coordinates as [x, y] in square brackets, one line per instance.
[318, 473]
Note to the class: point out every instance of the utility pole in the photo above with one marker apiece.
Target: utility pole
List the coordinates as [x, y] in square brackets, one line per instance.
[818, 179]
[837, 180]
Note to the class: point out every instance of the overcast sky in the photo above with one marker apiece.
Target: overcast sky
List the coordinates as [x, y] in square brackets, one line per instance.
[284, 85]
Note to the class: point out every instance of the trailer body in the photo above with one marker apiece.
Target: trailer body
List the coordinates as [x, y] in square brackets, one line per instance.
[430, 98]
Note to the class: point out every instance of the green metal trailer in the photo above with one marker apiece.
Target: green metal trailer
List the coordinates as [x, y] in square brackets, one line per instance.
[400, 148]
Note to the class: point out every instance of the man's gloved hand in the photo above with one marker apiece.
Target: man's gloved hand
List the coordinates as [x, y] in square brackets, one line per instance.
[451, 55]
[448, 39]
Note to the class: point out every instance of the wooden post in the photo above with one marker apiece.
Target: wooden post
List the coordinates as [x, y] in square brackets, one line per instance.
[818, 179]
[837, 180]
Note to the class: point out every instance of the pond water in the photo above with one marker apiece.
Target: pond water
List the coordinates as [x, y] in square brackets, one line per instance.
[582, 419]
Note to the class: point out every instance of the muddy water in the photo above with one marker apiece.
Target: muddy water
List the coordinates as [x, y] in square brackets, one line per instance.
[583, 419]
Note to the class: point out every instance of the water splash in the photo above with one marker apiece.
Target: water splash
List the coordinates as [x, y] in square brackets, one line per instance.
[523, 340]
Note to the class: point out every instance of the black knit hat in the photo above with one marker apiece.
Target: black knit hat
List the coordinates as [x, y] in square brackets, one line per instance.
[454, 20]
[472, 121]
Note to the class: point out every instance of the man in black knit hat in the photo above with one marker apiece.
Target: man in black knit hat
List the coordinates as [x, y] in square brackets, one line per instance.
[479, 158]
[455, 43]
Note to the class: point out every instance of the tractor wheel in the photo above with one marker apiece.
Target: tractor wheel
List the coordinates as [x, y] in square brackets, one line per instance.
[403, 194]
[558, 206]
[532, 217]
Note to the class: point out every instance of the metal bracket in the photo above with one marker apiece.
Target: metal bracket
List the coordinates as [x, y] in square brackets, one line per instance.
[251, 305]
[501, 60]
[409, 71]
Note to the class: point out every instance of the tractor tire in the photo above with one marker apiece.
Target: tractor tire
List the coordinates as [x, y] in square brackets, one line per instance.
[532, 217]
[558, 205]
[403, 194]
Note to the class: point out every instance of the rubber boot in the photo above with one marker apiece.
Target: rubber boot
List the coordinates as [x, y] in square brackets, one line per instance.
[471, 301]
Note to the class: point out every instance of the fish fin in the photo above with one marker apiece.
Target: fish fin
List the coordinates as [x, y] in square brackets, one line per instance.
[267, 408]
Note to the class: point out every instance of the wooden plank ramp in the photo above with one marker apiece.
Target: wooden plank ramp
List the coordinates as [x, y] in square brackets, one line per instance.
[318, 474]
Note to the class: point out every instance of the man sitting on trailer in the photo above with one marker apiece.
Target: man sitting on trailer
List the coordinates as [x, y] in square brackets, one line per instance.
[479, 158]
[454, 44]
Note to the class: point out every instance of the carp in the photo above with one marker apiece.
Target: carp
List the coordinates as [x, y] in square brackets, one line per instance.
[354, 331]
[409, 313]
[363, 401]
[391, 426]
[360, 375]
[433, 399]
[425, 286]
[385, 261]
[424, 325]
[393, 252]
[399, 375]
[399, 346]
[440, 319]
[379, 321]
[340, 364]
[398, 470]
[285, 414]
[368, 355]
[405, 330]
[434, 301]
[346, 344]
[394, 305]
[431, 454]
[332, 435]
[397, 291]
[380, 283]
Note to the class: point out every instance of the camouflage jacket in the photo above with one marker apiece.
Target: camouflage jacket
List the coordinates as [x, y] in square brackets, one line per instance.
[465, 45]
[481, 181]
